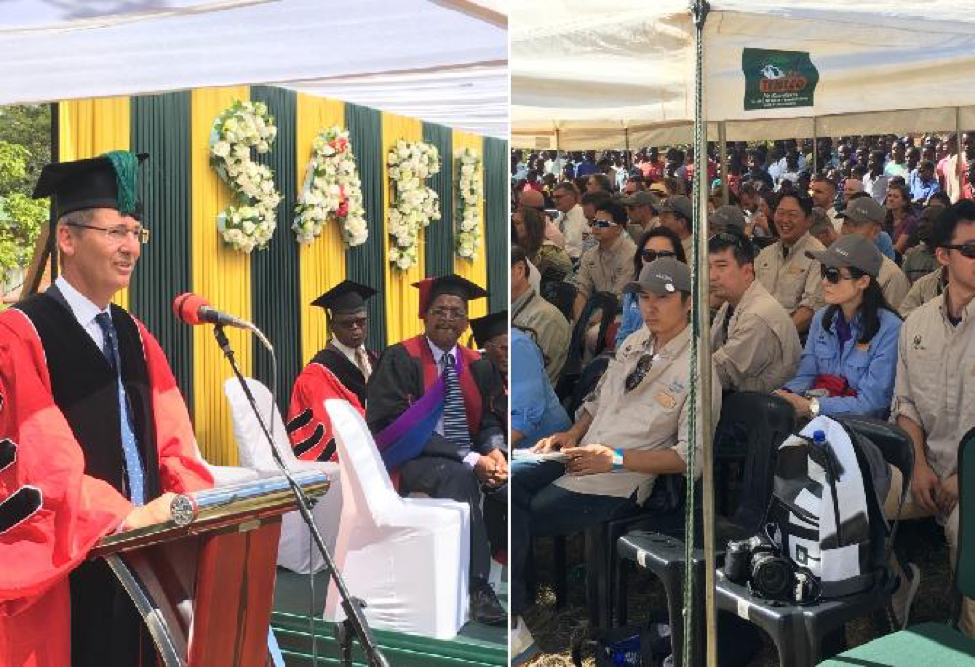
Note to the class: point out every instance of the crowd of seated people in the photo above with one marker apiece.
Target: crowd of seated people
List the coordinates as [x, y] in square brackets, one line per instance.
[841, 278]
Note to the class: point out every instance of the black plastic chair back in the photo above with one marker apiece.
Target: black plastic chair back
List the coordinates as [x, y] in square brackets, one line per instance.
[560, 294]
[893, 442]
[760, 422]
[965, 567]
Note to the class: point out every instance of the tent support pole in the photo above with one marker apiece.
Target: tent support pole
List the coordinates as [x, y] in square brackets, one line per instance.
[702, 369]
[815, 147]
[723, 160]
[626, 154]
[960, 151]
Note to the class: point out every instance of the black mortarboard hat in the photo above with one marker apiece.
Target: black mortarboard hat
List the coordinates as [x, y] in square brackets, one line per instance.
[346, 297]
[107, 181]
[431, 288]
[487, 327]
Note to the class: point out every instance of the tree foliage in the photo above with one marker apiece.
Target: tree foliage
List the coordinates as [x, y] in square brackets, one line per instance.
[25, 147]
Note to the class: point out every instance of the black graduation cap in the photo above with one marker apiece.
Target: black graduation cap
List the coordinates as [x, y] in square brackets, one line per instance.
[487, 327]
[431, 288]
[107, 181]
[346, 297]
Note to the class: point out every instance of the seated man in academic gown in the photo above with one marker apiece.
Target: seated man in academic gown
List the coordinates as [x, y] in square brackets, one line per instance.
[429, 406]
[94, 434]
[340, 370]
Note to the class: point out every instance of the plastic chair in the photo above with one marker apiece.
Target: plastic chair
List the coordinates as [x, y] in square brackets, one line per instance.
[934, 643]
[764, 422]
[227, 475]
[407, 558]
[296, 550]
[799, 631]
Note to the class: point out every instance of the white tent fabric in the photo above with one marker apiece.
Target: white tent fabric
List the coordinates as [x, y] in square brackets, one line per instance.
[605, 76]
[444, 62]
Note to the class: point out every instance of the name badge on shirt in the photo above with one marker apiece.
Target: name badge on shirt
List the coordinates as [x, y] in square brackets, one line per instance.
[666, 400]
[795, 270]
[863, 347]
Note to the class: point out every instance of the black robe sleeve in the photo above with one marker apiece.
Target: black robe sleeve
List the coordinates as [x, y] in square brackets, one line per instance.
[490, 433]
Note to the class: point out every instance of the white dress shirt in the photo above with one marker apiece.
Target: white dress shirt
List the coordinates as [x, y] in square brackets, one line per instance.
[350, 354]
[473, 457]
[83, 310]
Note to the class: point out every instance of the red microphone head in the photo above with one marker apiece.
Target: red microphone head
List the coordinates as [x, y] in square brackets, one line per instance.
[186, 307]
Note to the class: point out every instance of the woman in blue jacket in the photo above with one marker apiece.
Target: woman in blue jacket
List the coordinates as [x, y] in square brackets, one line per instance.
[850, 358]
[658, 242]
[535, 409]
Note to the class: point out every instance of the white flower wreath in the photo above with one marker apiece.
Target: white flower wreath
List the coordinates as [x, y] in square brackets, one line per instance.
[332, 191]
[249, 223]
[414, 204]
[468, 233]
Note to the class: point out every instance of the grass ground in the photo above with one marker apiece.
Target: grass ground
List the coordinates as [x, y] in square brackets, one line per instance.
[920, 541]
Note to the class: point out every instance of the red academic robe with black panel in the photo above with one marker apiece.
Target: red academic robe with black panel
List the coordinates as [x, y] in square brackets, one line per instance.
[329, 374]
[62, 481]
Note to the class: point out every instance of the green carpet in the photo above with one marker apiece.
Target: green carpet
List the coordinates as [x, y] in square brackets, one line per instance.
[925, 644]
[477, 645]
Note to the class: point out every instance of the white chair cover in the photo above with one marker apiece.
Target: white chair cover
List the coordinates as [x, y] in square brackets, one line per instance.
[296, 551]
[407, 558]
[226, 475]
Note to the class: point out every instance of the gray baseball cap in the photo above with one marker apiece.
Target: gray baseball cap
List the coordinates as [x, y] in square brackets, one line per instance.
[864, 209]
[662, 276]
[680, 205]
[727, 216]
[642, 198]
[851, 250]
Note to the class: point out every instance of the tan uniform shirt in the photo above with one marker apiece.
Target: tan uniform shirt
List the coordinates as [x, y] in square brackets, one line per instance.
[652, 416]
[761, 349]
[893, 283]
[935, 384]
[606, 270]
[923, 290]
[793, 279]
[688, 244]
[552, 330]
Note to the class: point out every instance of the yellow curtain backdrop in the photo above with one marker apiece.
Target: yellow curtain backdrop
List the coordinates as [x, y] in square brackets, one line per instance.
[321, 263]
[221, 275]
[475, 271]
[88, 128]
[402, 300]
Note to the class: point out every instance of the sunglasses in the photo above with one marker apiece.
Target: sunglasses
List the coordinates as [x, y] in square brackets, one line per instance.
[651, 255]
[967, 250]
[833, 275]
[643, 366]
[601, 224]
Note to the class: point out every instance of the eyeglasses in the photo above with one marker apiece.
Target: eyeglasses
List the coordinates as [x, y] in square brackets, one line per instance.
[643, 366]
[119, 233]
[358, 322]
[651, 255]
[601, 224]
[449, 313]
[833, 275]
[967, 250]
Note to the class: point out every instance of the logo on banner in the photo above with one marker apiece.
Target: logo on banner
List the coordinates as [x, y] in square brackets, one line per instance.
[778, 79]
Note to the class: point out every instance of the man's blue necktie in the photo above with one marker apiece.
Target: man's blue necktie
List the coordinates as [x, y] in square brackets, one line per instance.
[133, 464]
[454, 414]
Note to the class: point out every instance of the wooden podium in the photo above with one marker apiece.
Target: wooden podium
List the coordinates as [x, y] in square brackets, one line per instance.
[204, 582]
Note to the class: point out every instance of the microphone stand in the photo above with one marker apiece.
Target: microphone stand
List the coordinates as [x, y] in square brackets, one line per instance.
[355, 623]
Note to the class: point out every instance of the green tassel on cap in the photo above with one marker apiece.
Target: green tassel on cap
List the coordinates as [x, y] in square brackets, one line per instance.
[126, 166]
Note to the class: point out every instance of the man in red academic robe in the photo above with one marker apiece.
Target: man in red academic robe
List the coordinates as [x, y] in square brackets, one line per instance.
[94, 435]
[339, 370]
[430, 409]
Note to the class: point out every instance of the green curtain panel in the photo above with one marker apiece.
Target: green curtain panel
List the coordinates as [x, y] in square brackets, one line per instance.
[275, 271]
[496, 220]
[161, 127]
[440, 234]
[365, 263]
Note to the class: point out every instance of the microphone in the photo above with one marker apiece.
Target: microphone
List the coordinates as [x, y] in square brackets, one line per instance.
[192, 309]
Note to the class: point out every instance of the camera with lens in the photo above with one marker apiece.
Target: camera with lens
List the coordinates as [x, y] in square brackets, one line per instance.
[758, 563]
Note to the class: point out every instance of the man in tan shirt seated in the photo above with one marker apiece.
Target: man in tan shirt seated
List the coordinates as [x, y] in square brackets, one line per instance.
[755, 346]
[531, 312]
[630, 430]
[864, 216]
[783, 267]
[934, 393]
[609, 266]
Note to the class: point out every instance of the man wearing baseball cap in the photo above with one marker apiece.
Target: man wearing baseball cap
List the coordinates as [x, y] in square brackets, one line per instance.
[725, 217]
[865, 216]
[677, 215]
[631, 430]
[641, 209]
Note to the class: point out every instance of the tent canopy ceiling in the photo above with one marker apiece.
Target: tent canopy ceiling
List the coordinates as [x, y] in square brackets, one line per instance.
[443, 62]
[608, 76]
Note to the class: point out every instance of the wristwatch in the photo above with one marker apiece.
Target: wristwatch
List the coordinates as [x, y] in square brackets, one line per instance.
[814, 407]
[617, 459]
